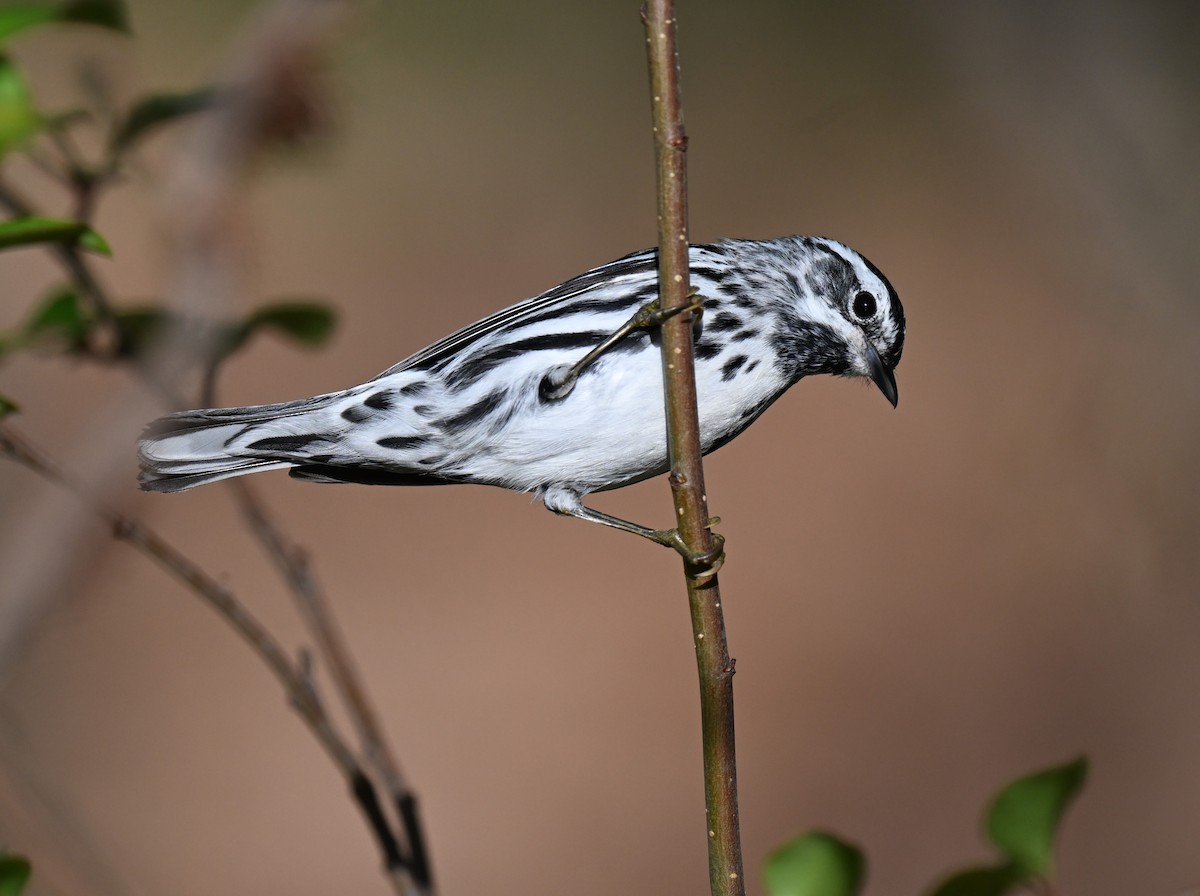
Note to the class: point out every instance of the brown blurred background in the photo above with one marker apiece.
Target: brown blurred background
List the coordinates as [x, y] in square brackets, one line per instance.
[925, 603]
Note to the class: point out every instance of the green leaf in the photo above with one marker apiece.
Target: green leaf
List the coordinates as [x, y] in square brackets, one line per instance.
[105, 13]
[1023, 818]
[7, 406]
[994, 881]
[153, 111]
[14, 873]
[59, 318]
[307, 323]
[17, 18]
[817, 864]
[19, 119]
[94, 242]
[35, 229]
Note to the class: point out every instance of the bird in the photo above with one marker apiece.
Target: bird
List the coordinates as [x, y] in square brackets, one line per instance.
[561, 395]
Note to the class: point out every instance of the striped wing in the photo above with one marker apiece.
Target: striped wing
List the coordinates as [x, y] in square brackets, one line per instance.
[629, 282]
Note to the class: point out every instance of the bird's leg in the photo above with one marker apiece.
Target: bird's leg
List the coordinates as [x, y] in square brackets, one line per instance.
[701, 564]
[559, 382]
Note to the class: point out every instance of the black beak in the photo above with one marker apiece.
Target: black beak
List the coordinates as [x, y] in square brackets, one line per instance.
[881, 376]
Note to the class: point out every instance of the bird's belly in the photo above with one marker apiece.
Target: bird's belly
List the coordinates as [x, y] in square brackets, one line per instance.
[610, 430]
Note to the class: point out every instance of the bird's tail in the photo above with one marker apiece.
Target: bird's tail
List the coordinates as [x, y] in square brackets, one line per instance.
[193, 448]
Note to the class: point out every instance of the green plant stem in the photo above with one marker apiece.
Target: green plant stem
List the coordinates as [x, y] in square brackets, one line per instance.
[714, 666]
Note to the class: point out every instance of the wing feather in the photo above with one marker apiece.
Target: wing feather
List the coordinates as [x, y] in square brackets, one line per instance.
[636, 265]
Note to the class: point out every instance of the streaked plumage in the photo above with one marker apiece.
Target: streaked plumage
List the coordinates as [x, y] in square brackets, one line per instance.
[468, 408]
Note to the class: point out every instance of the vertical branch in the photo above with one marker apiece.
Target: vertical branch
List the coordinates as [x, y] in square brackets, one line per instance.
[713, 664]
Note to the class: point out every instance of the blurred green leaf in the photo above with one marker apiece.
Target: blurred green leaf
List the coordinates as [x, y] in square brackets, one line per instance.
[308, 323]
[816, 864]
[60, 318]
[19, 119]
[105, 13]
[1024, 816]
[995, 881]
[94, 242]
[21, 16]
[14, 874]
[64, 121]
[34, 229]
[139, 329]
[7, 406]
[156, 110]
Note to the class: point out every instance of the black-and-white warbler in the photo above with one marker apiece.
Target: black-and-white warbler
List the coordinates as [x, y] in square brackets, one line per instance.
[561, 395]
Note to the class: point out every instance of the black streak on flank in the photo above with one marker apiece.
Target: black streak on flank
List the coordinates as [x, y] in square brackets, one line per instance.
[717, 275]
[356, 414]
[724, 321]
[474, 413]
[380, 401]
[735, 289]
[751, 414]
[401, 443]
[731, 367]
[286, 444]
[416, 387]
[707, 350]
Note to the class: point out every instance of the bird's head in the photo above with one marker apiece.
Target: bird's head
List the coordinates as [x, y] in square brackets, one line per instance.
[849, 313]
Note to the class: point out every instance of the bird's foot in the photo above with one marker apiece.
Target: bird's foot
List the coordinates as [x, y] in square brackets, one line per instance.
[560, 380]
[700, 564]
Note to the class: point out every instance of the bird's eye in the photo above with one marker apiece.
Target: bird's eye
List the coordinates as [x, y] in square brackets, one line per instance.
[863, 306]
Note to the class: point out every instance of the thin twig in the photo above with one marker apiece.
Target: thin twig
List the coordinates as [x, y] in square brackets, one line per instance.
[292, 676]
[283, 47]
[292, 563]
[713, 664]
[214, 594]
[274, 96]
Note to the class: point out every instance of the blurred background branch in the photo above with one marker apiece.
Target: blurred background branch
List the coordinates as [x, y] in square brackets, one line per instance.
[271, 99]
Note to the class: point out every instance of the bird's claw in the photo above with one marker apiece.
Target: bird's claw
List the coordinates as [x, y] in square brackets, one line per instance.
[652, 314]
[560, 380]
[703, 565]
[700, 564]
